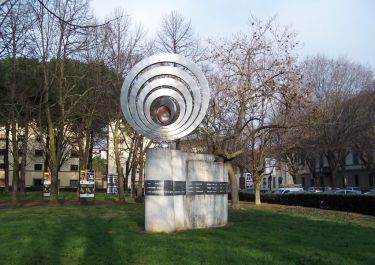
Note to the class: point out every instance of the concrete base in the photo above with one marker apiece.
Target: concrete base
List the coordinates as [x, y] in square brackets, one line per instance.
[184, 191]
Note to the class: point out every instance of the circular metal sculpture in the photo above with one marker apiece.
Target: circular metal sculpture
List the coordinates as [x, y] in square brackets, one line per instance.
[165, 97]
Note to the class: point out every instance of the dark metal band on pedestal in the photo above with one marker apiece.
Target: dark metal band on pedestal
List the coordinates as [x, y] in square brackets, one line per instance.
[170, 187]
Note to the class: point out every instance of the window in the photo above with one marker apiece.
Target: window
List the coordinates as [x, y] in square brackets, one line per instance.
[3, 152]
[2, 166]
[356, 179]
[73, 167]
[38, 152]
[73, 183]
[280, 180]
[38, 167]
[355, 158]
[37, 182]
[74, 154]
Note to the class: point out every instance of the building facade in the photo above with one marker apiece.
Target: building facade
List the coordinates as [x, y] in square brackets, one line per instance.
[35, 163]
[355, 175]
[275, 176]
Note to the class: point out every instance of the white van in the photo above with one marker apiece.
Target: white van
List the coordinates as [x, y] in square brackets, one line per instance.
[289, 190]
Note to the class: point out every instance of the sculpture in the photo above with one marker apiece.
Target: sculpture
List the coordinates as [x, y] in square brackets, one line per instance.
[165, 97]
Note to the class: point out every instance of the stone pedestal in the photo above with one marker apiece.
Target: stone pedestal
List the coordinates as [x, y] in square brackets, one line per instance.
[184, 191]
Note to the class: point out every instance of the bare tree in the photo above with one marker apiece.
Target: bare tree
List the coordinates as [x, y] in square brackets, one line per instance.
[176, 35]
[255, 72]
[334, 119]
[123, 46]
[14, 38]
[55, 38]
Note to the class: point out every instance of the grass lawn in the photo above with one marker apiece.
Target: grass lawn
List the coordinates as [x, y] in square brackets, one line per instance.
[113, 234]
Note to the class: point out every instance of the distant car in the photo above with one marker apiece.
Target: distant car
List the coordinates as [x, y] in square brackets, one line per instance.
[327, 189]
[314, 189]
[252, 190]
[370, 192]
[347, 192]
[289, 190]
[248, 190]
[356, 189]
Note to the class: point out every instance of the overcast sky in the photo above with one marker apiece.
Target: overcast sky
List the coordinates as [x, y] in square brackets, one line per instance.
[330, 27]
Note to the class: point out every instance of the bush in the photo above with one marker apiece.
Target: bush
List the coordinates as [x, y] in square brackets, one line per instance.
[350, 203]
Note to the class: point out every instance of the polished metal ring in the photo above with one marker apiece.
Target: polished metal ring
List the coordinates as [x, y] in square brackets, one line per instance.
[165, 76]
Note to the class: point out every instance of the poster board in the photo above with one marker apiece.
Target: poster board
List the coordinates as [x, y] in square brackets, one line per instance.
[112, 184]
[46, 184]
[87, 184]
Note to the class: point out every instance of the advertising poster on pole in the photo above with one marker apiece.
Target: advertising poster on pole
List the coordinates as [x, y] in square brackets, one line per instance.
[112, 184]
[87, 184]
[46, 184]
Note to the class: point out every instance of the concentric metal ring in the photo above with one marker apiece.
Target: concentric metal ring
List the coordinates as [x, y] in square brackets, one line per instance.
[165, 75]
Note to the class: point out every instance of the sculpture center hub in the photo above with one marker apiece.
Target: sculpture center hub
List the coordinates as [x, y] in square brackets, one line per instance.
[163, 114]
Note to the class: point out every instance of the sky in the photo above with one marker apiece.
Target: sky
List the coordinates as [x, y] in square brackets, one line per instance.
[328, 27]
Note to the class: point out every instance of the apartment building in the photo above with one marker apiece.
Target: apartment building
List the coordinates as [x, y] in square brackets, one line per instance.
[35, 163]
[276, 175]
[356, 174]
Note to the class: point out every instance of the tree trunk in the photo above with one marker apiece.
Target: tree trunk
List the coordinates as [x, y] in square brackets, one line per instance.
[46, 155]
[127, 173]
[53, 162]
[6, 158]
[178, 144]
[257, 191]
[120, 171]
[24, 157]
[140, 180]
[15, 159]
[333, 177]
[344, 180]
[132, 179]
[141, 166]
[13, 120]
[91, 147]
[234, 187]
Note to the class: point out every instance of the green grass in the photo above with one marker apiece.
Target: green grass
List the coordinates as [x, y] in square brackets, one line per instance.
[63, 196]
[114, 234]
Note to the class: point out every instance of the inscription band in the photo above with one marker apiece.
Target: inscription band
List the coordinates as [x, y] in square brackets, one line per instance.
[170, 187]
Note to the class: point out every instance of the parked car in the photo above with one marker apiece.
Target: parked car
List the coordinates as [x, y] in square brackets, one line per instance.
[252, 190]
[289, 190]
[247, 190]
[347, 192]
[370, 192]
[327, 189]
[314, 189]
[356, 189]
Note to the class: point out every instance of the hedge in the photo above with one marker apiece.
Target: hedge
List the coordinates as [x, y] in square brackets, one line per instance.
[349, 203]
